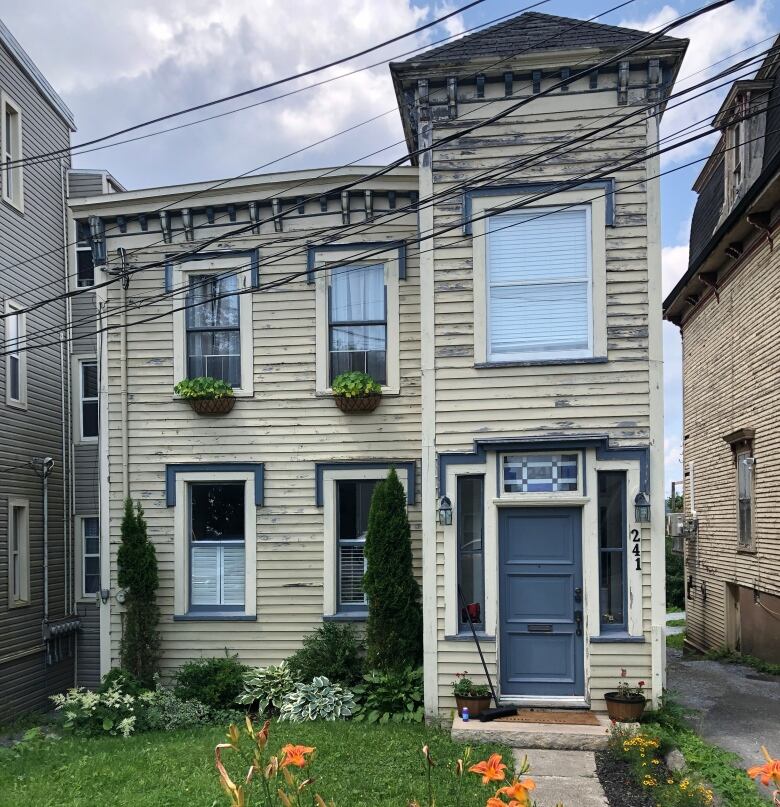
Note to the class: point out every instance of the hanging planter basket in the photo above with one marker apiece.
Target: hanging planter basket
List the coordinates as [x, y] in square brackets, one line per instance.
[212, 406]
[358, 403]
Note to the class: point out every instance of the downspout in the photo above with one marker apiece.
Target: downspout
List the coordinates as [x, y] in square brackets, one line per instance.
[123, 392]
[67, 458]
[66, 466]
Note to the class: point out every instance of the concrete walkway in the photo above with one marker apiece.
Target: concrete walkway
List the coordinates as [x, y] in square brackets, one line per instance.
[674, 616]
[738, 708]
[564, 777]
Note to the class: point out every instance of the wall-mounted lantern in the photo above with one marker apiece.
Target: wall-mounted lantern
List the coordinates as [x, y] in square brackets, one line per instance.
[642, 507]
[445, 511]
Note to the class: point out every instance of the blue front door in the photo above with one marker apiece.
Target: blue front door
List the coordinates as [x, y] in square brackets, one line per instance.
[540, 602]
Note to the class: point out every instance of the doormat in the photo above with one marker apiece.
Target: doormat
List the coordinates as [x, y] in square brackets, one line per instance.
[564, 717]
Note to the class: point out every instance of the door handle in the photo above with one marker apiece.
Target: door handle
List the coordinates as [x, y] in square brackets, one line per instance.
[578, 595]
[578, 622]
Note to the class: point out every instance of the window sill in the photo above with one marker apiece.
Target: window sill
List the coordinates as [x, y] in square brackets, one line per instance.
[17, 206]
[356, 616]
[486, 365]
[21, 405]
[617, 637]
[468, 637]
[387, 392]
[216, 616]
[745, 550]
[237, 393]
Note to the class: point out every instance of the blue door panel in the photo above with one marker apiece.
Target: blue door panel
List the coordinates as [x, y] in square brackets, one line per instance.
[540, 556]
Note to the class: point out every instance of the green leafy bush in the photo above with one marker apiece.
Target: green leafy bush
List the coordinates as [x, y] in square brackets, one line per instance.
[355, 385]
[675, 578]
[267, 686]
[394, 630]
[215, 682]
[319, 700]
[203, 387]
[126, 681]
[332, 651]
[161, 710]
[395, 696]
[86, 712]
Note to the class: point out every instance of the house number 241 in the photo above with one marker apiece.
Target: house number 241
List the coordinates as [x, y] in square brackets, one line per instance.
[635, 549]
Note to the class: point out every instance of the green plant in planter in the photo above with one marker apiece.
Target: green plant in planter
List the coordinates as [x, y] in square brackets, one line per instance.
[203, 387]
[465, 688]
[355, 385]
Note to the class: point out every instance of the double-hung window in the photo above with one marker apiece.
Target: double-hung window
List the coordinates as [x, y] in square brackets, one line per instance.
[353, 503]
[11, 152]
[357, 321]
[18, 552]
[213, 338]
[217, 544]
[88, 400]
[85, 264]
[538, 284]
[16, 356]
[90, 556]
[612, 528]
[745, 466]
[471, 551]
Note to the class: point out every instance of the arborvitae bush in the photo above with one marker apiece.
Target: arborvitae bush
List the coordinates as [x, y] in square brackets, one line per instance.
[137, 575]
[394, 630]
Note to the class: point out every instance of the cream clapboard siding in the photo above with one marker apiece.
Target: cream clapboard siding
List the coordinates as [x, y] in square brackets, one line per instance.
[612, 398]
[729, 383]
[284, 424]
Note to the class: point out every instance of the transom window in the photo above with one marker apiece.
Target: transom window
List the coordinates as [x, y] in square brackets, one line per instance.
[612, 527]
[88, 399]
[85, 265]
[745, 465]
[540, 473]
[538, 291]
[12, 153]
[217, 545]
[353, 503]
[213, 328]
[90, 559]
[357, 321]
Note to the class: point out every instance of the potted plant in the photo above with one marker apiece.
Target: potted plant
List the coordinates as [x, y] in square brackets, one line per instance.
[627, 703]
[468, 694]
[206, 395]
[356, 392]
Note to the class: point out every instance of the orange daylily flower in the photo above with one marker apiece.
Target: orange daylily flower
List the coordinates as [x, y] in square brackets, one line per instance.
[769, 771]
[519, 791]
[295, 755]
[236, 793]
[491, 769]
[494, 801]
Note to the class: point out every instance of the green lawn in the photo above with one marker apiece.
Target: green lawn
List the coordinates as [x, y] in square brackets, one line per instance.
[356, 765]
[675, 623]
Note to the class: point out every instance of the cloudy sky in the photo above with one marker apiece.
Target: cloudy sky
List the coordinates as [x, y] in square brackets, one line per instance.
[117, 64]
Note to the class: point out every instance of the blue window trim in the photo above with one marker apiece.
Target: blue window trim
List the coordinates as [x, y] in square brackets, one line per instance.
[617, 638]
[607, 185]
[346, 616]
[467, 637]
[252, 256]
[618, 628]
[600, 442]
[257, 468]
[214, 616]
[312, 250]
[410, 466]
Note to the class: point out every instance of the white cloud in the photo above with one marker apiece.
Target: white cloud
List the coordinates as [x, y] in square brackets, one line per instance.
[674, 262]
[714, 36]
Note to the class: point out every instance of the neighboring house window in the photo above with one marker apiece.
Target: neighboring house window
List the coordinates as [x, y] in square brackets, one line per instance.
[12, 152]
[18, 552]
[540, 473]
[612, 526]
[90, 555]
[353, 504]
[357, 332]
[471, 551]
[539, 285]
[213, 338]
[217, 545]
[16, 357]
[745, 489]
[85, 265]
[88, 399]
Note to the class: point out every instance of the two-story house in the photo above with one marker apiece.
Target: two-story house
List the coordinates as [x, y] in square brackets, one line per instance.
[505, 291]
[726, 308]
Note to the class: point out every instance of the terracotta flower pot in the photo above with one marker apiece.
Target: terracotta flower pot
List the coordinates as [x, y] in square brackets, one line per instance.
[625, 709]
[360, 403]
[475, 705]
[212, 406]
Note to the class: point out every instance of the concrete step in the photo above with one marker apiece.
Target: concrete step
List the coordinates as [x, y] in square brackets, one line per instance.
[534, 735]
[563, 777]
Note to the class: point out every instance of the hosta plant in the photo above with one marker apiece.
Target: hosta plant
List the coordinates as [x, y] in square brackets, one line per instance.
[267, 686]
[203, 387]
[355, 384]
[319, 700]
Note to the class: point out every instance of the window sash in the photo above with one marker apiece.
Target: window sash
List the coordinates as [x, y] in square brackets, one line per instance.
[12, 154]
[745, 482]
[90, 560]
[90, 427]
[612, 537]
[15, 336]
[19, 534]
[471, 555]
[350, 596]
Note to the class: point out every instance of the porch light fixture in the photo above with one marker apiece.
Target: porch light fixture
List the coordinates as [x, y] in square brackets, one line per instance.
[642, 507]
[445, 511]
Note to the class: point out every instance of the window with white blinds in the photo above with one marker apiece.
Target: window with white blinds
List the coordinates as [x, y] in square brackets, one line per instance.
[353, 505]
[217, 546]
[539, 284]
